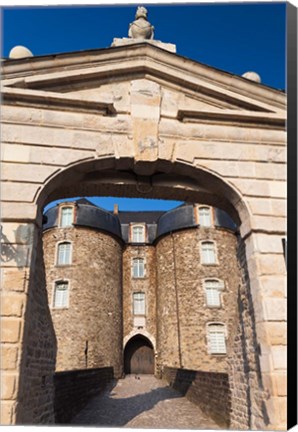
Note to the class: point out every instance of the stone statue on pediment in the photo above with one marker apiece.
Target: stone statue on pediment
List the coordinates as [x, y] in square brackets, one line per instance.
[141, 27]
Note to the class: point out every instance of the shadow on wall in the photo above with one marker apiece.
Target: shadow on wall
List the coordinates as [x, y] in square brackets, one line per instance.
[38, 358]
[255, 393]
[17, 251]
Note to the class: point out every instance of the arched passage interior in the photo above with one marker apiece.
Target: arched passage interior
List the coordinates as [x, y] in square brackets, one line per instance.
[138, 356]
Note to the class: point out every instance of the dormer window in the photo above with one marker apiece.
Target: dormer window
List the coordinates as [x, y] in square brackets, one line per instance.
[66, 217]
[205, 216]
[138, 234]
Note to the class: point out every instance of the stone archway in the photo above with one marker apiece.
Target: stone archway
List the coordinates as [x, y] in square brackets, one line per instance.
[178, 130]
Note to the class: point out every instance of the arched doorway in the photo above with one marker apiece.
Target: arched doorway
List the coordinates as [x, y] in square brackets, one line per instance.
[139, 356]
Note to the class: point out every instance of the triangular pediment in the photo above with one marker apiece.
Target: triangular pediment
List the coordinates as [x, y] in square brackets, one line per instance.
[105, 76]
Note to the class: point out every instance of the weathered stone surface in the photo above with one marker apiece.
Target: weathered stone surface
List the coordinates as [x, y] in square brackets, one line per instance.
[9, 357]
[10, 329]
[14, 280]
[8, 386]
[93, 319]
[12, 305]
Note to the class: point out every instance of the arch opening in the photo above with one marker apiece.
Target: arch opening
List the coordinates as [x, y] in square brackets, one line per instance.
[139, 356]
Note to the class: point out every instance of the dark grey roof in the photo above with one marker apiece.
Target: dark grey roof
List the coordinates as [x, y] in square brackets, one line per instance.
[148, 217]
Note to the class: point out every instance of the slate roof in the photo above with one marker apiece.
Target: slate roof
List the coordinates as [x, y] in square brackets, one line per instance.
[148, 217]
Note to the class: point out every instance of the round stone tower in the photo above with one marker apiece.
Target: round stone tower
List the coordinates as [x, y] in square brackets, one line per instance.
[83, 259]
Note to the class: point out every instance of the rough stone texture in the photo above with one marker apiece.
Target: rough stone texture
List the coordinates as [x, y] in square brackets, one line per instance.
[73, 390]
[94, 315]
[143, 403]
[209, 390]
[248, 394]
[182, 314]
[35, 389]
[146, 285]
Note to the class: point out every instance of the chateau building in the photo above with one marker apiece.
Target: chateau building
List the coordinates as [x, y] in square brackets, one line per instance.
[189, 294]
[139, 290]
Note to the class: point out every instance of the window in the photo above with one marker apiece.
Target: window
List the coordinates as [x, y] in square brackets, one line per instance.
[205, 216]
[61, 295]
[138, 234]
[138, 268]
[217, 339]
[66, 217]
[208, 253]
[212, 290]
[139, 303]
[64, 253]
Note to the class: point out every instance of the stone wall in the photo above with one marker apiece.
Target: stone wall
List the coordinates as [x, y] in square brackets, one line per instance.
[37, 365]
[182, 314]
[247, 388]
[89, 330]
[73, 389]
[146, 285]
[209, 390]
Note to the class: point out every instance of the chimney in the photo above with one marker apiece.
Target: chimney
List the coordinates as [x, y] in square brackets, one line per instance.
[115, 209]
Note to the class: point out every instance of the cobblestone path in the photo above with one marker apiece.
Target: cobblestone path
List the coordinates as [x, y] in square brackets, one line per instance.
[142, 403]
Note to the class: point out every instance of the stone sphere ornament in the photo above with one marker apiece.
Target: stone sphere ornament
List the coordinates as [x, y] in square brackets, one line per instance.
[19, 52]
[252, 76]
[141, 27]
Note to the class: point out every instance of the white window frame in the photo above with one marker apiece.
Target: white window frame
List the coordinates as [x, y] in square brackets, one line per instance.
[139, 303]
[218, 286]
[202, 218]
[138, 238]
[138, 275]
[69, 220]
[216, 346]
[203, 255]
[56, 284]
[58, 263]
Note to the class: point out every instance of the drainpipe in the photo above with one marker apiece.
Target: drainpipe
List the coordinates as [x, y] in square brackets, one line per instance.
[177, 304]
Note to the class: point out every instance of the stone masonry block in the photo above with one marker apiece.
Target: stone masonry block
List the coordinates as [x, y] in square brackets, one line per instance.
[279, 357]
[9, 357]
[8, 386]
[12, 304]
[14, 280]
[273, 333]
[273, 286]
[16, 255]
[10, 329]
[25, 211]
[15, 152]
[19, 191]
[6, 412]
[275, 308]
[270, 264]
[17, 233]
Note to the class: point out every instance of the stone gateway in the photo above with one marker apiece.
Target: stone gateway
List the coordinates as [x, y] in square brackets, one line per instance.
[138, 120]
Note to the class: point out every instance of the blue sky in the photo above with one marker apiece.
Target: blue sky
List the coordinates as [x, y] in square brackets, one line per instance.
[233, 37]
